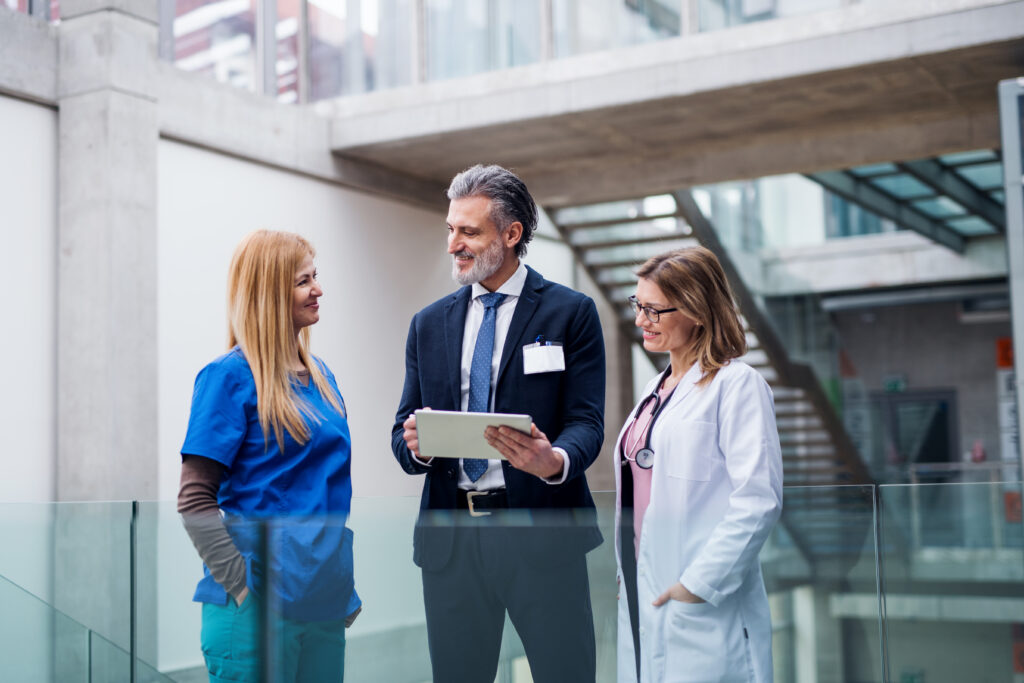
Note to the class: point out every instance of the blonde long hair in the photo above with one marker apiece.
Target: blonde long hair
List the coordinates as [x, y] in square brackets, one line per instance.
[694, 282]
[261, 278]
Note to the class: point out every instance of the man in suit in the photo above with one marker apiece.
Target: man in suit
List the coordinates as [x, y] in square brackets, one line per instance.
[505, 534]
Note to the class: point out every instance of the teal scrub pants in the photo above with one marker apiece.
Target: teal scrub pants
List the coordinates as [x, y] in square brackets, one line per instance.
[303, 652]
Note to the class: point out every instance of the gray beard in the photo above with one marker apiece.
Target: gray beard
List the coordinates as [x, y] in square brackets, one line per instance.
[485, 264]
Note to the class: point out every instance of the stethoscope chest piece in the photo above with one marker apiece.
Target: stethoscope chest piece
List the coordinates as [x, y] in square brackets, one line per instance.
[645, 458]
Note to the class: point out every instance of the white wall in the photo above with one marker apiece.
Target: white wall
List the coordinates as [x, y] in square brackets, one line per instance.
[28, 228]
[28, 291]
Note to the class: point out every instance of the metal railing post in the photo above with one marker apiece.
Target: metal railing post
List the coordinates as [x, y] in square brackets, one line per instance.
[133, 592]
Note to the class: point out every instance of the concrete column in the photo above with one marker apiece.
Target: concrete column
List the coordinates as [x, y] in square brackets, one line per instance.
[106, 270]
[106, 312]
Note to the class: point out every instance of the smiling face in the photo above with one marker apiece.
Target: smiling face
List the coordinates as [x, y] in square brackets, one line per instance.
[480, 252]
[306, 292]
[673, 333]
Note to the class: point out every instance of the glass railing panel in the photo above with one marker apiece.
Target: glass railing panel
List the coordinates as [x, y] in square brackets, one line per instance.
[953, 573]
[388, 639]
[37, 643]
[75, 557]
[168, 569]
[820, 567]
[581, 26]
[40, 644]
[719, 14]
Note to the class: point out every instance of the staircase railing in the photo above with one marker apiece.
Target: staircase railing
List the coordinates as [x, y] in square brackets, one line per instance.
[790, 373]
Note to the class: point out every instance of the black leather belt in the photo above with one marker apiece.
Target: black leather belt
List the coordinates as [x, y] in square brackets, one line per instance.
[479, 503]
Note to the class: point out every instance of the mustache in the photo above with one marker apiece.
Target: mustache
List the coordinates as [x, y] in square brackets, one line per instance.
[464, 252]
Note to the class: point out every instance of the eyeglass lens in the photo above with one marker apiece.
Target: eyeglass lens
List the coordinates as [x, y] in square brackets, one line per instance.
[650, 313]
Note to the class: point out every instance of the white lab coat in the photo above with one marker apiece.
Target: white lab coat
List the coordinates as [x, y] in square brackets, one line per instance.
[716, 493]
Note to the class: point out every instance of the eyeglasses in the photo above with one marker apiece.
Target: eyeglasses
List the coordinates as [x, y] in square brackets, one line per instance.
[652, 314]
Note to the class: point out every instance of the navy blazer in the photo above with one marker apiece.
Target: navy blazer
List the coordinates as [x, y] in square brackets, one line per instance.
[567, 406]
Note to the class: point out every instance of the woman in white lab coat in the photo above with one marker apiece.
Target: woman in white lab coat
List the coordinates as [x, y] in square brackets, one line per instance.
[698, 488]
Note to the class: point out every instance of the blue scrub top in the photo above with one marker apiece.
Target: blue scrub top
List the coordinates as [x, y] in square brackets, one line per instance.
[301, 494]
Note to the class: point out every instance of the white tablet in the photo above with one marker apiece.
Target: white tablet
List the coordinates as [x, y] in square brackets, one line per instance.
[454, 434]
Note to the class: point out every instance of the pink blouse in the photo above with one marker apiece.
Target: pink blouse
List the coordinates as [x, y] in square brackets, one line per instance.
[633, 440]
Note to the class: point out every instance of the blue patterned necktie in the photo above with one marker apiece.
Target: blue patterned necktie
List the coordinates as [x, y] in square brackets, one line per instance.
[480, 374]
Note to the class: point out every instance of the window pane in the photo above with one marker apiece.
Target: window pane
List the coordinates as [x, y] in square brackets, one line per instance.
[971, 225]
[940, 207]
[466, 37]
[874, 169]
[985, 176]
[359, 45]
[903, 186]
[287, 34]
[968, 157]
[717, 14]
[217, 37]
[591, 25]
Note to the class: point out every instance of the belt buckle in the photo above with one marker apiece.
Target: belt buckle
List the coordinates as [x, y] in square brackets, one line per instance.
[470, 495]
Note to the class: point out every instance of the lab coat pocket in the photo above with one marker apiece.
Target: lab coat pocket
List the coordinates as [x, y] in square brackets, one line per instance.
[691, 446]
[704, 643]
[691, 608]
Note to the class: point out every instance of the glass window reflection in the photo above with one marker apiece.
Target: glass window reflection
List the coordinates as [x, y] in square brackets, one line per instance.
[582, 26]
[217, 37]
[718, 14]
[358, 46]
[465, 37]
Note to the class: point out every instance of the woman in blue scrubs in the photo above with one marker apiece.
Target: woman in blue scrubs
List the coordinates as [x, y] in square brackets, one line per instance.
[268, 452]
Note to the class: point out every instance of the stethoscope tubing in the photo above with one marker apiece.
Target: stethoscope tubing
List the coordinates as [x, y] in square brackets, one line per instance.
[644, 457]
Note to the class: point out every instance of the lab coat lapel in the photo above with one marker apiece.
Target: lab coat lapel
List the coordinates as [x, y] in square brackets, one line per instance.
[454, 329]
[686, 385]
[529, 299]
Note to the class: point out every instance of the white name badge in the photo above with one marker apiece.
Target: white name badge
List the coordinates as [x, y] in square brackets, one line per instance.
[543, 357]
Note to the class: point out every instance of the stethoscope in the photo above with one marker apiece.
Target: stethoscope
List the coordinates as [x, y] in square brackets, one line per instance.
[644, 457]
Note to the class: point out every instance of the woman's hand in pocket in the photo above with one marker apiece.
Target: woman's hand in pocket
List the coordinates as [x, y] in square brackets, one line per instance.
[678, 592]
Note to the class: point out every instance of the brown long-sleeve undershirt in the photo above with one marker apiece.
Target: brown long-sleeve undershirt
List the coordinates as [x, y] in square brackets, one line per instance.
[197, 504]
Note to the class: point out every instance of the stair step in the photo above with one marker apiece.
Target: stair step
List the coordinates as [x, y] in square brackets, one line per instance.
[794, 407]
[809, 422]
[756, 358]
[784, 394]
[818, 437]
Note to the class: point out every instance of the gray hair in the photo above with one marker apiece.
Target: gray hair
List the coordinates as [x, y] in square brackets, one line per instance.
[510, 200]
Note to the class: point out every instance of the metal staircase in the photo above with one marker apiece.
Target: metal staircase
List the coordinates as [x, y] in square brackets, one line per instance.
[827, 525]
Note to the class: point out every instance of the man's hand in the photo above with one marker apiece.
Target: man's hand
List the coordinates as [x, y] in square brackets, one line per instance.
[678, 592]
[240, 598]
[528, 452]
[412, 439]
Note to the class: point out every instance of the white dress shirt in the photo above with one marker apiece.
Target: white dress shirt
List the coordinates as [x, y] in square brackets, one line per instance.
[512, 288]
